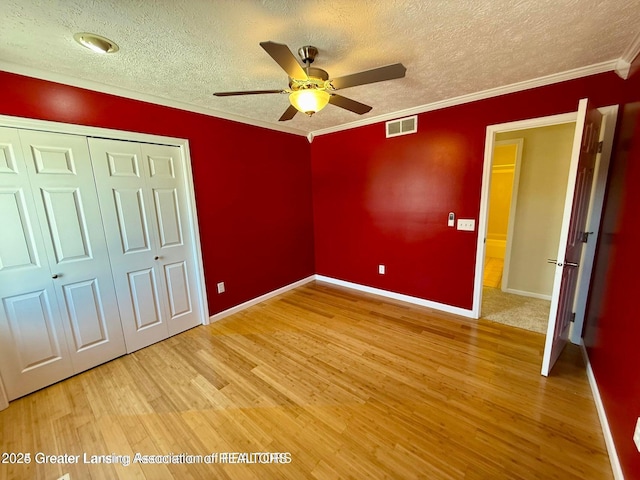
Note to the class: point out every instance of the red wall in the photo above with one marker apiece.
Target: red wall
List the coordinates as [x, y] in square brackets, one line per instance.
[252, 185]
[612, 329]
[378, 200]
[386, 201]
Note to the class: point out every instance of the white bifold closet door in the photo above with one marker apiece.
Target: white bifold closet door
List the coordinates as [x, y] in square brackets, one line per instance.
[143, 202]
[58, 308]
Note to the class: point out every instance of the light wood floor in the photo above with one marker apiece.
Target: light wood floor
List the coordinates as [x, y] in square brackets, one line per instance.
[350, 385]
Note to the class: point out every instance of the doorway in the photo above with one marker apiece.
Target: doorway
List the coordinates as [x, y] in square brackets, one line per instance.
[529, 175]
[512, 130]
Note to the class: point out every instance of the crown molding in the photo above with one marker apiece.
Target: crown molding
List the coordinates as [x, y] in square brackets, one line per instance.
[623, 68]
[632, 50]
[472, 97]
[620, 66]
[143, 97]
[630, 54]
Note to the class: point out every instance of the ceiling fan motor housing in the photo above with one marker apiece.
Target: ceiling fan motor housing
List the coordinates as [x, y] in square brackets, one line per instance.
[308, 53]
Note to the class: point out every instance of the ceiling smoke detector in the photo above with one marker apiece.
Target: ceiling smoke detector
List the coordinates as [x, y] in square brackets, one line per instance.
[96, 43]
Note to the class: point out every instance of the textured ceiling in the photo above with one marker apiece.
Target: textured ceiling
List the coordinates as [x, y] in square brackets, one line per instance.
[181, 51]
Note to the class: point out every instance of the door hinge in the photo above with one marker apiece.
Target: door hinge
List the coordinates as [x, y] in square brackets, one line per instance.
[573, 317]
[600, 143]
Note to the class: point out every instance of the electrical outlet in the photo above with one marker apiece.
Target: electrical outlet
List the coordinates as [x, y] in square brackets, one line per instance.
[636, 435]
[381, 269]
[468, 224]
[221, 287]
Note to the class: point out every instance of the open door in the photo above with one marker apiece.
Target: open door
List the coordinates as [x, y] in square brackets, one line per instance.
[572, 233]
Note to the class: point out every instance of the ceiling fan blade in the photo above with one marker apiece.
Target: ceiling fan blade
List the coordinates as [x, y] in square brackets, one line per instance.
[348, 104]
[380, 74]
[288, 114]
[283, 57]
[246, 92]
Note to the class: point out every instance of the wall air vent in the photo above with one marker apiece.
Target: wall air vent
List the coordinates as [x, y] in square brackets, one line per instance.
[402, 126]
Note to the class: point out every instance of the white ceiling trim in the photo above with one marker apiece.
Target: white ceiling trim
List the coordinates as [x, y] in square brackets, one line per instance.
[122, 92]
[623, 68]
[629, 55]
[492, 92]
[612, 65]
[632, 50]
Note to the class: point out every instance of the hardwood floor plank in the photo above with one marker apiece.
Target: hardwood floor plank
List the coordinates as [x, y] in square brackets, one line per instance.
[348, 385]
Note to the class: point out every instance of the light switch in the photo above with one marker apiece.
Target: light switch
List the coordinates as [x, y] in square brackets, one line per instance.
[468, 224]
[451, 220]
[636, 435]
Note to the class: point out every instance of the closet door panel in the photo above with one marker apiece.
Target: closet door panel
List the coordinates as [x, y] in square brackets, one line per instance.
[168, 217]
[144, 296]
[17, 245]
[86, 312]
[65, 196]
[166, 181]
[28, 313]
[132, 220]
[34, 351]
[33, 346]
[178, 288]
[128, 213]
[65, 221]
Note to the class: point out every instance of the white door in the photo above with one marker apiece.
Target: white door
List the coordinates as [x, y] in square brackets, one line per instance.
[67, 205]
[585, 149]
[59, 313]
[33, 346]
[143, 202]
[166, 182]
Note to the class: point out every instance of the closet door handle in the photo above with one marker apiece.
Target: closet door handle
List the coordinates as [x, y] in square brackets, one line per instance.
[156, 258]
[55, 275]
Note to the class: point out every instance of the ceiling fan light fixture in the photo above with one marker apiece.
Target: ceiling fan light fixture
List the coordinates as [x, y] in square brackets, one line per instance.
[96, 43]
[309, 100]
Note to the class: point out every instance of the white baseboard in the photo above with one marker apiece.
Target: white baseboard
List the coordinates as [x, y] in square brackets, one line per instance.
[355, 286]
[608, 438]
[261, 298]
[398, 296]
[528, 294]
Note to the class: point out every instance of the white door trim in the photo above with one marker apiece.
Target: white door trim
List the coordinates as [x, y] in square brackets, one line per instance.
[4, 400]
[513, 205]
[183, 144]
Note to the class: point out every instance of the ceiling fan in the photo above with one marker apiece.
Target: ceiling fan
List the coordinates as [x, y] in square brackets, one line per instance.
[310, 88]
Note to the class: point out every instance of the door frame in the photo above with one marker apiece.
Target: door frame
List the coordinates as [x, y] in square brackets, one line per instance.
[4, 399]
[513, 205]
[595, 204]
[192, 220]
